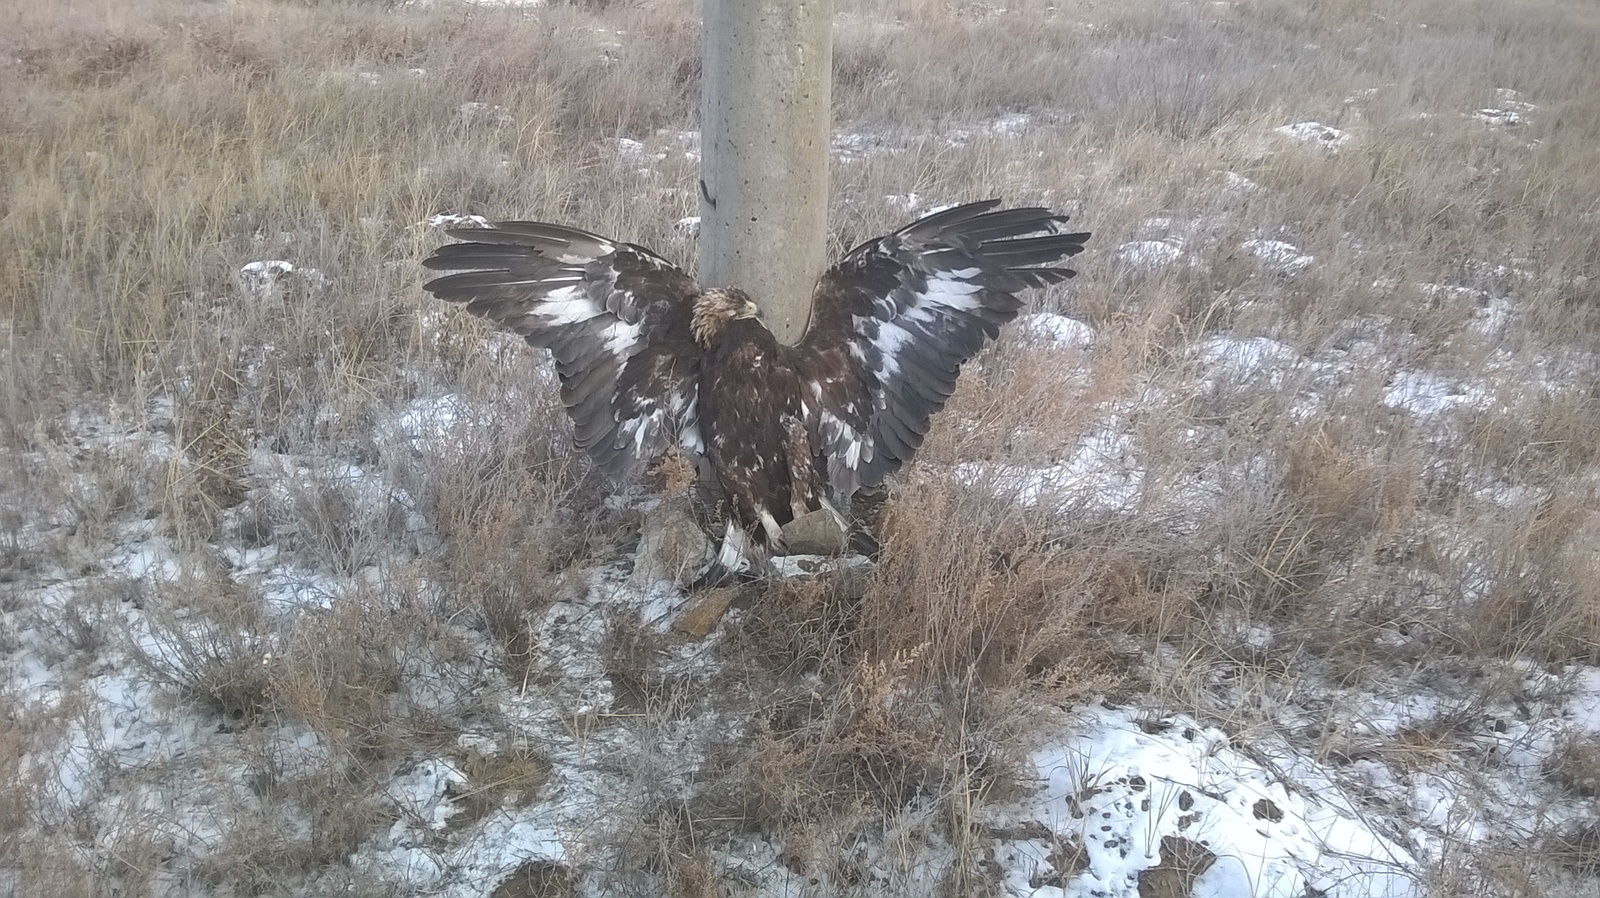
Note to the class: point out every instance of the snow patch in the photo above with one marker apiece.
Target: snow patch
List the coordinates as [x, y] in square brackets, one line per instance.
[270, 278]
[857, 146]
[1007, 126]
[1584, 708]
[420, 793]
[508, 4]
[907, 202]
[1425, 394]
[1148, 255]
[1249, 357]
[1235, 183]
[1316, 135]
[1101, 475]
[1509, 111]
[1125, 792]
[632, 152]
[1278, 256]
[432, 425]
[1499, 118]
[789, 566]
[1056, 329]
[687, 141]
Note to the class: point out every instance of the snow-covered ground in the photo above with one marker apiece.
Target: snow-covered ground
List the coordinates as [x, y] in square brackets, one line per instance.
[220, 685]
[1124, 795]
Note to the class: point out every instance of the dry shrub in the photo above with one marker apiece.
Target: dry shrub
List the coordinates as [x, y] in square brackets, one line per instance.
[15, 788]
[874, 747]
[1579, 849]
[539, 879]
[302, 829]
[1575, 765]
[207, 475]
[669, 849]
[970, 586]
[353, 674]
[510, 530]
[1550, 434]
[344, 673]
[1542, 563]
[513, 512]
[514, 777]
[914, 685]
[1345, 491]
[802, 626]
[210, 640]
[631, 655]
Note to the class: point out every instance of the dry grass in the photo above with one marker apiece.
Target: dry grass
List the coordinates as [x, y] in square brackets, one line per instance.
[222, 476]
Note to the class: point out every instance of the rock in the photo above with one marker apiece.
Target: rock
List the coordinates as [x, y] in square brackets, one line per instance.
[816, 533]
[1182, 862]
[704, 612]
[672, 547]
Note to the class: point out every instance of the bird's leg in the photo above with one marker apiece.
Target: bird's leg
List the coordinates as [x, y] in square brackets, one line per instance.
[833, 513]
[775, 542]
[802, 468]
[734, 555]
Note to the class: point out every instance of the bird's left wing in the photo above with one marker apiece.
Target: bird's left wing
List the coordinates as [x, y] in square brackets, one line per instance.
[892, 323]
[615, 316]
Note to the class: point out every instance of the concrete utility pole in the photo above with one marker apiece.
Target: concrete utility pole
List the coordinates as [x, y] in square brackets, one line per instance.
[764, 137]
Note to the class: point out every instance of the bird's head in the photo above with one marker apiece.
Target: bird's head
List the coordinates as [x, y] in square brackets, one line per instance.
[716, 307]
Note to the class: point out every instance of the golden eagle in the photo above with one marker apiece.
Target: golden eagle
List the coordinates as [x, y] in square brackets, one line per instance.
[649, 360]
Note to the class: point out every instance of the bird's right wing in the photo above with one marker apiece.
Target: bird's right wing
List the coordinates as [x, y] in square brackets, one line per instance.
[615, 316]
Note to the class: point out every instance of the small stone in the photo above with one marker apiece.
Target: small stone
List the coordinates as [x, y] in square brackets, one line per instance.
[704, 612]
[1265, 809]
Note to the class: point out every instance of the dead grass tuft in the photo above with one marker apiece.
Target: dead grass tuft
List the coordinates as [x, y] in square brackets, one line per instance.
[1580, 850]
[1539, 600]
[539, 879]
[987, 599]
[501, 780]
[1575, 766]
[209, 639]
[874, 746]
[269, 849]
[208, 475]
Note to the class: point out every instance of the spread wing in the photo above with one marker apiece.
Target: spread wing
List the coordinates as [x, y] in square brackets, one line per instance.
[615, 316]
[894, 320]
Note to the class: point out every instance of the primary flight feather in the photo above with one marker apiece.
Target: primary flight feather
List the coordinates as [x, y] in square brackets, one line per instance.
[650, 360]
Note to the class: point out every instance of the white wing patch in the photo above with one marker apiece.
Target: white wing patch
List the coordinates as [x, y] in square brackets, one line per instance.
[621, 339]
[642, 429]
[604, 248]
[568, 305]
[950, 289]
[682, 411]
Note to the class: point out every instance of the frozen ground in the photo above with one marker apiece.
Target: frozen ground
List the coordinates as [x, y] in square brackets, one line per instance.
[135, 655]
[1125, 794]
